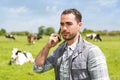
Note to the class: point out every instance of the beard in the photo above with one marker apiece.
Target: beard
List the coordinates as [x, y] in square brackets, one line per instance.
[69, 36]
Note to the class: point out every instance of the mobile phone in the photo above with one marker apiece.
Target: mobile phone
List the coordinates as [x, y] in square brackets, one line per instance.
[59, 37]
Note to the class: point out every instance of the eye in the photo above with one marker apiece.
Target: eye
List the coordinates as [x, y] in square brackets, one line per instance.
[69, 23]
[61, 24]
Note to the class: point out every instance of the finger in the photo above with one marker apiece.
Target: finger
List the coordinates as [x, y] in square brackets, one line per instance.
[56, 36]
[54, 39]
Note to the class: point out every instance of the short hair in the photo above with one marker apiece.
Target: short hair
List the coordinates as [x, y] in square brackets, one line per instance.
[75, 12]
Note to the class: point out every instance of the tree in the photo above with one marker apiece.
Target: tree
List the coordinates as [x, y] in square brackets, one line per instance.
[21, 33]
[87, 31]
[41, 30]
[49, 30]
[2, 31]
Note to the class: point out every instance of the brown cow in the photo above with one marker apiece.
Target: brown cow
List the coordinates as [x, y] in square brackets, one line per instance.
[32, 37]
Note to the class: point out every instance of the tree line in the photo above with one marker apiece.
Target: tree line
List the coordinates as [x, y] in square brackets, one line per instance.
[42, 30]
[103, 32]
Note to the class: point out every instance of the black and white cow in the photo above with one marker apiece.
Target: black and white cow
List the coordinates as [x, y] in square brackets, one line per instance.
[10, 36]
[20, 57]
[93, 36]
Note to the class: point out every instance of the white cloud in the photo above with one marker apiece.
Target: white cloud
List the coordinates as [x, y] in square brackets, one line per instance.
[107, 2]
[19, 10]
[51, 8]
[48, 14]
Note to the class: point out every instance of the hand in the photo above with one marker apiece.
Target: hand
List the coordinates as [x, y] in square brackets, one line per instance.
[53, 40]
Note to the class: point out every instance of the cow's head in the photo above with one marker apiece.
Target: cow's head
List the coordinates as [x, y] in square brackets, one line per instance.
[14, 55]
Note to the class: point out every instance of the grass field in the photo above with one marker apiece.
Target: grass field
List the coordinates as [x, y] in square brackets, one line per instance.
[110, 46]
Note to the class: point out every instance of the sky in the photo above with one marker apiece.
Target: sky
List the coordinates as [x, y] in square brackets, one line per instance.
[28, 15]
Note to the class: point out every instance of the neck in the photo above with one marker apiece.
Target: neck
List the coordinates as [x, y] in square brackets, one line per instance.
[70, 42]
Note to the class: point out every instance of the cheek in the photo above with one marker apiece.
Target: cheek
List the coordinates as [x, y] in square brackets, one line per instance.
[74, 29]
[77, 28]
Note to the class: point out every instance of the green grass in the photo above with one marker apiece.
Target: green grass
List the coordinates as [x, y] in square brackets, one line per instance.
[110, 46]
[17, 72]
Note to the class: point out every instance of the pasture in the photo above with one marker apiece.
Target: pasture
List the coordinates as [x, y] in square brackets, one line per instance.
[110, 46]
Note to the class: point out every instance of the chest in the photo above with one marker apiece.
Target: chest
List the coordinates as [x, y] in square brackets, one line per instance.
[77, 61]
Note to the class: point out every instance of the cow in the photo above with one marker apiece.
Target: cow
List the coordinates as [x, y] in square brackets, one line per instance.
[10, 36]
[93, 36]
[31, 38]
[20, 57]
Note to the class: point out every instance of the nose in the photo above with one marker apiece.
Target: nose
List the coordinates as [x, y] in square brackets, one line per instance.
[64, 27]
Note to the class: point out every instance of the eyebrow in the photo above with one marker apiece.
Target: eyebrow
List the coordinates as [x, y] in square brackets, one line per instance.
[66, 22]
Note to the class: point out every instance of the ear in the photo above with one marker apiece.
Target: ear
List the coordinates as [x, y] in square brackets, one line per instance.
[80, 24]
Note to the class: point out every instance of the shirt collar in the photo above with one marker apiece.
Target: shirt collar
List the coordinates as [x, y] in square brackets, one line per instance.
[73, 46]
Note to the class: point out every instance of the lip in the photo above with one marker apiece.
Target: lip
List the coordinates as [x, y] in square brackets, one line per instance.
[65, 33]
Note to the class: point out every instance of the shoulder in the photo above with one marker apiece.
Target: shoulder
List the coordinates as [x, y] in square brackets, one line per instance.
[92, 50]
[61, 46]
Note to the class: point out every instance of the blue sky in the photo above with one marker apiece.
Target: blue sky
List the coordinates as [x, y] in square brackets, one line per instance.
[28, 15]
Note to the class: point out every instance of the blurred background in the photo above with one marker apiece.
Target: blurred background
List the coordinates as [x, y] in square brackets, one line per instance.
[40, 18]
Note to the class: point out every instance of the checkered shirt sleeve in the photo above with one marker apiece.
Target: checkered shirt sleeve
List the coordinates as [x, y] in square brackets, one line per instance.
[97, 65]
[43, 68]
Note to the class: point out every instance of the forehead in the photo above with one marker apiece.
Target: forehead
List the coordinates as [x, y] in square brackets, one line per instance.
[67, 17]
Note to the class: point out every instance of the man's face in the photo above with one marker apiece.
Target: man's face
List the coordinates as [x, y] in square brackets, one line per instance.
[69, 26]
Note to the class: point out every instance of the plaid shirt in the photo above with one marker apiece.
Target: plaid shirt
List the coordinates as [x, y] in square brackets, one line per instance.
[96, 65]
[64, 68]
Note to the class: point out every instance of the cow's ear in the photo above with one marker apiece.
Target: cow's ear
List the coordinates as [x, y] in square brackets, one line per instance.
[18, 52]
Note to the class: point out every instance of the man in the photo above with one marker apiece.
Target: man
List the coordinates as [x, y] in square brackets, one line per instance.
[75, 58]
